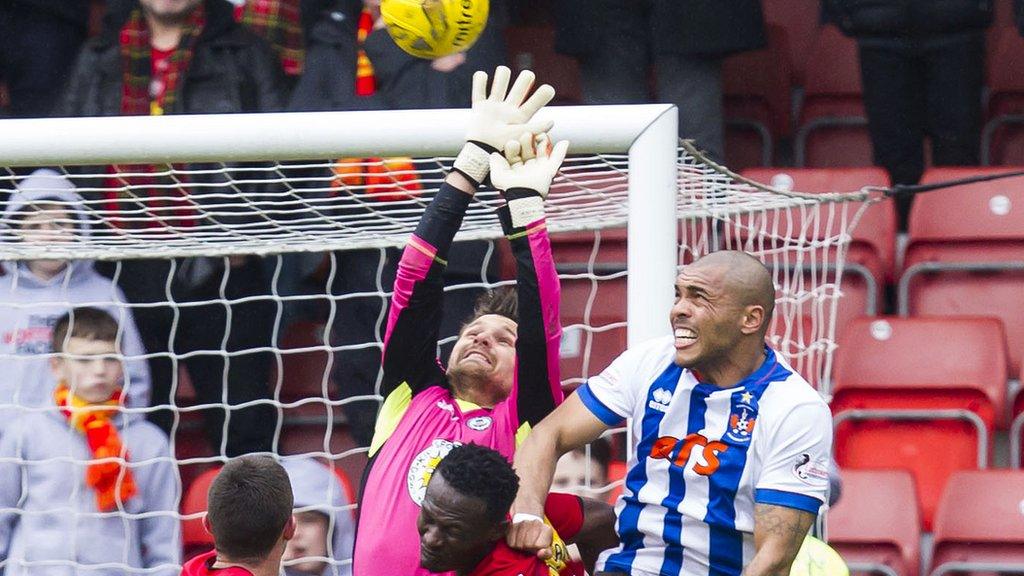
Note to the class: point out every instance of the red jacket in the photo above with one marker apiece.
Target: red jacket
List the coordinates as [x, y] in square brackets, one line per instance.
[202, 565]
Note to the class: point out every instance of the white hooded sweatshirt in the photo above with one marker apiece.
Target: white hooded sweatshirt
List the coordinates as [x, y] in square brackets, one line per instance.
[30, 306]
[317, 488]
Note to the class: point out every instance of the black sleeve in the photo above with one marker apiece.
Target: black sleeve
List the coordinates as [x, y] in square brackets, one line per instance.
[410, 343]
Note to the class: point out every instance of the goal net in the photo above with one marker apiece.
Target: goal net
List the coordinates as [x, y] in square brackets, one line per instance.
[249, 259]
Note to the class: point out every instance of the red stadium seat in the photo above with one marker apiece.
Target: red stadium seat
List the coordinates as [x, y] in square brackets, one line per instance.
[757, 89]
[195, 538]
[965, 254]
[305, 367]
[1003, 136]
[593, 302]
[981, 523]
[801, 21]
[871, 254]
[833, 125]
[1017, 429]
[533, 48]
[920, 394]
[876, 522]
[616, 473]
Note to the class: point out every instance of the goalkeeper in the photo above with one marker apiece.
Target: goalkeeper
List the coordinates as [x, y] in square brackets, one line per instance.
[503, 375]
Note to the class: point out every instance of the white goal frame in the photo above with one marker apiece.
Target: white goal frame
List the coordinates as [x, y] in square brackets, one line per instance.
[648, 132]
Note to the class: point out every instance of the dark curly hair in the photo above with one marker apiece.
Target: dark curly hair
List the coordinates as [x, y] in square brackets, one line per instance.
[503, 301]
[480, 472]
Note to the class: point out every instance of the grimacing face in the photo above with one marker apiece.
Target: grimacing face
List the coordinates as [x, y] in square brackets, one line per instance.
[706, 319]
[92, 369]
[454, 531]
[309, 541]
[485, 353]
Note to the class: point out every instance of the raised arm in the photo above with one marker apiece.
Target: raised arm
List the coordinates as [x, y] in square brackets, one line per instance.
[497, 117]
[524, 176]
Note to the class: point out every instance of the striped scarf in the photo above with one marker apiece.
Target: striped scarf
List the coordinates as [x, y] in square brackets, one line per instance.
[383, 179]
[277, 22]
[152, 201]
[107, 474]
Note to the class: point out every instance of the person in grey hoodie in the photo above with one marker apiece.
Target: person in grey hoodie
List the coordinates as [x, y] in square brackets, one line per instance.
[84, 490]
[34, 293]
[324, 521]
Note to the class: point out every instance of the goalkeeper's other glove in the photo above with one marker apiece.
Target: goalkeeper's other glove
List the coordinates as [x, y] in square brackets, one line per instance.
[500, 116]
[524, 175]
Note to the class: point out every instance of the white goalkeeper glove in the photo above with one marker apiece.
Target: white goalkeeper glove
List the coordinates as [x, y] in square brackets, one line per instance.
[500, 116]
[524, 175]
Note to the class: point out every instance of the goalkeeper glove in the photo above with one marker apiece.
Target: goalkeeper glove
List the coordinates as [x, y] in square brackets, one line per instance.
[498, 117]
[524, 175]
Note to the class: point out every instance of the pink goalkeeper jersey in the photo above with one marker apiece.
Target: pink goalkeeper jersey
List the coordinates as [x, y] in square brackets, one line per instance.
[420, 420]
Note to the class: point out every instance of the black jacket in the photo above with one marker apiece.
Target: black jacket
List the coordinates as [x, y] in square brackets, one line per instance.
[403, 81]
[691, 27]
[900, 18]
[231, 71]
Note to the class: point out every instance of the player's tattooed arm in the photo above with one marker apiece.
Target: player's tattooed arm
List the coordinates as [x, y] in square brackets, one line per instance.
[778, 534]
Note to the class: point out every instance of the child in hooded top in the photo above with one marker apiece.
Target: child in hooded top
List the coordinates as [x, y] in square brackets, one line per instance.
[324, 521]
[82, 485]
[45, 208]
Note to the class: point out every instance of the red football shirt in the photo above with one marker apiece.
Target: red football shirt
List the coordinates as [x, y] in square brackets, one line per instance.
[202, 565]
[564, 512]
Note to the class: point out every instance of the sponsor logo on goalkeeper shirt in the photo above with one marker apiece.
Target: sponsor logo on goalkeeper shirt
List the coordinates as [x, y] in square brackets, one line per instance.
[480, 423]
[423, 466]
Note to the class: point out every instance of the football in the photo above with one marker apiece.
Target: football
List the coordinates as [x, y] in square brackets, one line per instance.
[434, 28]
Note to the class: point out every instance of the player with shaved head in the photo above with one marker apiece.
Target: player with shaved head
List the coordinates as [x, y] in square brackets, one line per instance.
[731, 445]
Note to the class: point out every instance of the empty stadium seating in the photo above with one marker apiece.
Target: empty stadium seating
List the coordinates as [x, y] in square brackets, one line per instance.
[304, 368]
[872, 248]
[965, 253]
[757, 100]
[876, 522]
[1003, 135]
[980, 524]
[920, 394]
[801, 21]
[195, 538]
[832, 129]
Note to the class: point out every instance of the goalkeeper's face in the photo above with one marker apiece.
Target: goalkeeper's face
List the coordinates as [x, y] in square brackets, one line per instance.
[92, 369]
[484, 357]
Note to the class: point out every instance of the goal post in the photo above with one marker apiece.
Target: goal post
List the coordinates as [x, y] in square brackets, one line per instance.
[328, 195]
[646, 132]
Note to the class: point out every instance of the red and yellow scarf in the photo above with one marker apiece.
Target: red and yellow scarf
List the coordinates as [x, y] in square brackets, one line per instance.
[383, 179]
[107, 474]
[164, 205]
[277, 22]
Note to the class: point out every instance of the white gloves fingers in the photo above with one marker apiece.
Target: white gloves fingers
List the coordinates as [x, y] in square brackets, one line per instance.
[524, 174]
[499, 116]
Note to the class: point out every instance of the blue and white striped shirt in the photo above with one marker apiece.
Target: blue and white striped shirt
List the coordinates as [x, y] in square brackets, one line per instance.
[704, 455]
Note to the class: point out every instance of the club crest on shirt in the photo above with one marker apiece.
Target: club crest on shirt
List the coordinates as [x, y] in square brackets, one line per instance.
[480, 423]
[423, 466]
[742, 418]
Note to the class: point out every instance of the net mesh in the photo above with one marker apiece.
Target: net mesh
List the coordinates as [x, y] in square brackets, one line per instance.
[258, 294]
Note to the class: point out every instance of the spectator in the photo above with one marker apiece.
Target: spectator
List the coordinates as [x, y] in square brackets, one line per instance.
[250, 517]
[189, 57]
[353, 64]
[324, 521]
[923, 67]
[116, 512]
[39, 40]
[46, 209]
[584, 474]
[279, 23]
[464, 518]
[617, 41]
